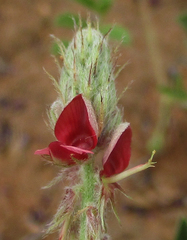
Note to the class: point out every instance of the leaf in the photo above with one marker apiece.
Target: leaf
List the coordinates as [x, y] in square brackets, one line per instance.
[176, 91]
[103, 6]
[117, 33]
[68, 20]
[182, 230]
[179, 85]
[183, 20]
[177, 94]
[87, 3]
[100, 6]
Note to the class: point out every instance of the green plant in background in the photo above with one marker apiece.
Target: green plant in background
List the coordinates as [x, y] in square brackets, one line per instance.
[177, 92]
[69, 20]
[170, 95]
[183, 20]
[100, 7]
[182, 230]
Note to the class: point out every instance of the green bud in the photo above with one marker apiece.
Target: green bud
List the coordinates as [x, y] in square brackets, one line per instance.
[88, 69]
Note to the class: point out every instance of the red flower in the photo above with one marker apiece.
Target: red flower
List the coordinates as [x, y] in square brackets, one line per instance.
[76, 131]
[117, 156]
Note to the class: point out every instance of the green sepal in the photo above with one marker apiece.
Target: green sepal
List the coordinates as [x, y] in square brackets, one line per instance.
[55, 180]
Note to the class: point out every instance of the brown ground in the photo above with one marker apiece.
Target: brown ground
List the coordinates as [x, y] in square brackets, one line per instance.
[160, 194]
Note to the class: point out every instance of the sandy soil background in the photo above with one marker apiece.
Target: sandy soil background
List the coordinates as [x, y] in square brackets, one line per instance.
[159, 194]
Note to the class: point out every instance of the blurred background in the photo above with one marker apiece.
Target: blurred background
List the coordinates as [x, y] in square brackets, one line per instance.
[155, 50]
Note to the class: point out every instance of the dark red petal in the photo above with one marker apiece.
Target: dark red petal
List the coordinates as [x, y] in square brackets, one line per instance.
[66, 154]
[77, 126]
[117, 156]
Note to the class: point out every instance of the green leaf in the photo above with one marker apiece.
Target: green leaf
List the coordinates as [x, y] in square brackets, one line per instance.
[182, 230]
[117, 33]
[177, 94]
[68, 19]
[87, 3]
[55, 48]
[179, 85]
[103, 6]
[100, 6]
[183, 20]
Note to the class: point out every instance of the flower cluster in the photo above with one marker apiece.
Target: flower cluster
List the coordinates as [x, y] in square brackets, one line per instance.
[86, 120]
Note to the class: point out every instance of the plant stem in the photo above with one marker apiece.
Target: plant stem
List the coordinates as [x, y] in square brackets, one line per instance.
[164, 109]
[88, 186]
[130, 172]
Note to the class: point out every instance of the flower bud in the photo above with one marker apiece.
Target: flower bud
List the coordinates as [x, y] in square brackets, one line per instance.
[88, 70]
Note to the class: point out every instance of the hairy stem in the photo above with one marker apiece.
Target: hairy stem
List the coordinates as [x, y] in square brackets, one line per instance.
[88, 198]
[130, 172]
